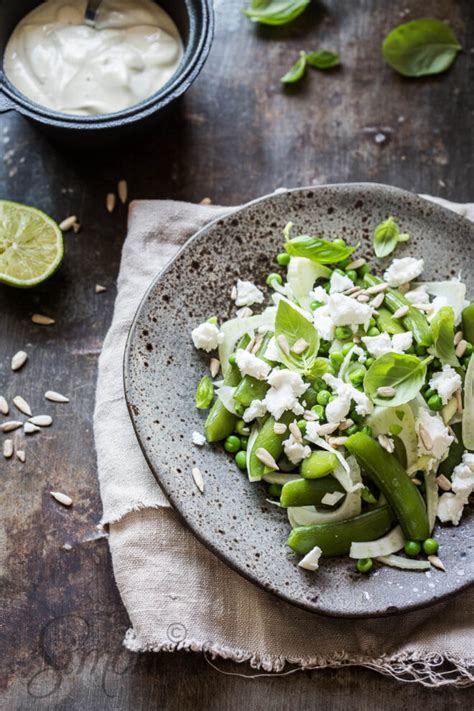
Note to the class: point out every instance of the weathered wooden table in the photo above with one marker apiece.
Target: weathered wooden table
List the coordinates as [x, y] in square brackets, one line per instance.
[236, 135]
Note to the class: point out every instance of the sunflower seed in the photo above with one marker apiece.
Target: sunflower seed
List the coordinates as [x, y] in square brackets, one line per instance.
[345, 424]
[206, 201]
[250, 345]
[4, 409]
[198, 480]
[386, 391]
[42, 320]
[67, 224]
[425, 438]
[233, 293]
[295, 431]
[328, 429]
[21, 404]
[55, 397]
[434, 560]
[354, 291]
[357, 263]
[458, 396]
[266, 458]
[376, 288]
[337, 441]
[8, 448]
[416, 482]
[21, 455]
[426, 308]
[300, 346]
[457, 337]
[41, 420]
[122, 189]
[309, 416]
[283, 343]
[28, 428]
[443, 482]
[99, 289]
[110, 202]
[63, 499]
[76, 227]
[363, 298]
[377, 301]
[386, 443]
[279, 428]
[19, 360]
[461, 348]
[11, 425]
[244, 312]
[401, 312]
[214, 366]
[257, 344]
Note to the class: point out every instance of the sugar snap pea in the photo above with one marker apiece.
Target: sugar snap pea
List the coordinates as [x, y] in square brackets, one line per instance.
[468, 323]
[386, 323]
[318, 464]
[269, 440]
[305, 492]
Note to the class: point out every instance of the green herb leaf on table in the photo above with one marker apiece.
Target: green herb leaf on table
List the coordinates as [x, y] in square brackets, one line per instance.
[386, 237]
[318, 250]
[323, 59]
[275, 12]
[294, 327]
[204, 393]
[296, 72]
[421, 47]
[442, 328]
[405, 373]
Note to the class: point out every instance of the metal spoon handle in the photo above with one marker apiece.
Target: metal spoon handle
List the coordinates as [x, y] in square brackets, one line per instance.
[91, 11]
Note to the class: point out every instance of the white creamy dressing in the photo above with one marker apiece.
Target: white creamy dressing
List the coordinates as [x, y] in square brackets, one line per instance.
[59, 62]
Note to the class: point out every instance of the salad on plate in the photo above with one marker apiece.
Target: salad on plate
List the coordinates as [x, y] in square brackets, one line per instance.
[349, 391]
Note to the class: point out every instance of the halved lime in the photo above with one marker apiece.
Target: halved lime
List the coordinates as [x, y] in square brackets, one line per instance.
[31, 245]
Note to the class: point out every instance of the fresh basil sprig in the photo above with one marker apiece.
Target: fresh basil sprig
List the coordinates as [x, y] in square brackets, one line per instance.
[421, 47]
[318, 250]
[386, 237]
[204, 393]
[321, 59]
[275, 12]
[442, 328]
[293, 327]
[404, 373]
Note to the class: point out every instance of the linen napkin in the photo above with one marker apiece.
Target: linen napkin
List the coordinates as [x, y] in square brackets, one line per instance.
[179, 595]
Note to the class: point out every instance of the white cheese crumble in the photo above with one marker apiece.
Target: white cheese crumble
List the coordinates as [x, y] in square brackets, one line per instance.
[324, 324]
[271, 351]
[403, 270]
[244, 312]
[345, 311]
[417, 296]
[337, 409]
[339, 282]
[296, 451]
[250, 364]
[285, 389]
[451, 505]
[319, 294]
[360, 353]
[450, 508]
[198, 439]
[439, 435]
[331, 499]
[257, 408]
[207, 336]
[379, 345]
[311, 559]
[247, 294]
[446, 382]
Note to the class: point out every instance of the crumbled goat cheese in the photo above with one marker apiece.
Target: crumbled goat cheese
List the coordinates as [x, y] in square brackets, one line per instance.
[324, 324]
[271, 351]
[337, 409]
[311, 559]
[285, 389]
[295, 451]
[451, 505]
[198, 439]
[345, 311]
[379, 345]
[439, 434]
[339, 282]
[247, 294]
[360, 353]
[403, 270]
[446, 382]
[450, 508]
[401, 342]
[250, 364]
[417, 296]
[257, 408]
[319, 294]
[207, 336]
[438, 303]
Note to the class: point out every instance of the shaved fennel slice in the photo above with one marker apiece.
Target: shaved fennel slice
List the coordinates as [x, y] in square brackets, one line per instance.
[431, 494]
[280, 477]
[383, 418]
[320, 442]
[391, 543]
[302, 275]
[468, 412]
[226, 395]
[235, 328]
[345, 364]
[397, 561]
[453, 291]
[251, 441]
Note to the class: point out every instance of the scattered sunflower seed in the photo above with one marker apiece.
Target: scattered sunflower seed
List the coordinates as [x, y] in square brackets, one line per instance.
[21, 404]
[55, 397]
[42, 320]
[461, 348]
[76, 227]
[21, 455]
[309, 416]
[337, 441]
[401, 312]
[110, 202]
[198, 439]
[266, 458]
[328, 428]
[279, 428]
[19, 360]
[363, 298]
[99, 289]
[353, 291]
[443, 482]
[283, 343]
[357, 263]
[63, 499]
[206, 201]
[434, 560]
[214, 366]
[386, 391]
[11, 425]
[244, 312]
[416, 482]
[387, 443]
[122, 189]
[198, 480]
[376, 288]
[257, 344]
[296, 432]
[29, 428]
[345, 424]
[8, 448]
[67, 547]
[378, 300]
[300, 346]
[458, 396]
[41, 420]
[4, 409]
[425, 437]
[457, 337]
[426, 308]
[67, 224]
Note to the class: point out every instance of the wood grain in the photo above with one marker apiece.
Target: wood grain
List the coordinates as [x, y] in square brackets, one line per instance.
[236, 135]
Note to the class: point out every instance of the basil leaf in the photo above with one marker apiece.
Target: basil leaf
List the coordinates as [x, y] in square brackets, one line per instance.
[421, 47]
[296, 72]
[405, 373]
[442, 328]
[322, 59]
[204, 393]
[293, 326]
[386, 237]
[275, 12]
[318, 250]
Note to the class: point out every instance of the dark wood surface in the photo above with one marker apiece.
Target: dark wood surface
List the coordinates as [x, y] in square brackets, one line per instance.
[236, 135]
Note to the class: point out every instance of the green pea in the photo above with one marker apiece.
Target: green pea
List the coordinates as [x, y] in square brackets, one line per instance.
[351, 274]
[274, 277]
[319, 384]
[352, 430]
[412, 548]
[374, 331]
[232, 359]
[331, 370]
[315, 305]
[274, 490]
[346, 348]
[367, 430]
[242, 428]
[323, 397]
[301, 426]
[343, 333]
[213, 320]
[364, 565]
[336, 358]
[318, 411]
[372, 323]
[369, 361]
[232, 444]
[429, 392]
[435, 403]
[283, 259]
[241, 459]
[430, 546]
[357, 375]
[364, 269]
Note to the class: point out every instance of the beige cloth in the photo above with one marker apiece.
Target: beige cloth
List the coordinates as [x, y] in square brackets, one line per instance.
[180, 596]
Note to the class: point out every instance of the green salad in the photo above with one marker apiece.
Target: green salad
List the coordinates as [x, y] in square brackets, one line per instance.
[348, 388]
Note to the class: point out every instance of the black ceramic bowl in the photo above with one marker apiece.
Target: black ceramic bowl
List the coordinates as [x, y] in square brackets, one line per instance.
[195, 21]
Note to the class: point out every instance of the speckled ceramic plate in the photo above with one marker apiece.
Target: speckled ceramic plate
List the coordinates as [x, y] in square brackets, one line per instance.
[162, 368]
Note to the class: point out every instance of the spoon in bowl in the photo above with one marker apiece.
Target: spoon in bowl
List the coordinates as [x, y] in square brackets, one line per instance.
[91, 12]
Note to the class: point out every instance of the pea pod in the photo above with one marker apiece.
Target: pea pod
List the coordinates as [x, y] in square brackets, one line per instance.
[387, 324]
[388, 475]
[303, 492]
[336, 538]
[468, 323]
[317, 465]
[250, 388]
[414, 321]
[269, 440]
[220, 423]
